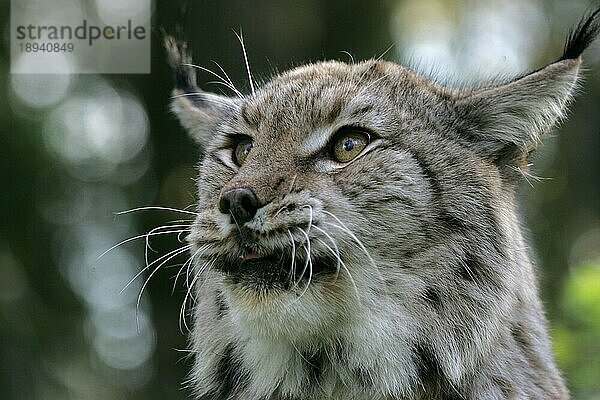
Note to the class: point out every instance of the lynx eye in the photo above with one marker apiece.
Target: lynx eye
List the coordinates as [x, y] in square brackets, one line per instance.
[349, 143]
[241, 151]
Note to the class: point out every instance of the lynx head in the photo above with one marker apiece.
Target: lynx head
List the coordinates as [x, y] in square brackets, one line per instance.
[366, 209]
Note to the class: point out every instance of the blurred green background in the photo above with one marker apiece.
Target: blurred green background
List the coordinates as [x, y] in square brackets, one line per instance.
[75, 149]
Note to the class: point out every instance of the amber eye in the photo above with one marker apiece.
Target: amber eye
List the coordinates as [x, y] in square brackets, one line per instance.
[349, 143]
[241, 151]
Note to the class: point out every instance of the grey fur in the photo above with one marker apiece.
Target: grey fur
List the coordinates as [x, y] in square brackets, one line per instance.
[420, 282]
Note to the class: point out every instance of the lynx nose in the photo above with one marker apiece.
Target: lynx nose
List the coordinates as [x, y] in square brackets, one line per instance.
[242, 203]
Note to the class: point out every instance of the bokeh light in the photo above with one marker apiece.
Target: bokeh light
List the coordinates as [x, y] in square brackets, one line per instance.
[472, 42]
[40, 91]
[95, 133]
[80, 147]
[115, 12]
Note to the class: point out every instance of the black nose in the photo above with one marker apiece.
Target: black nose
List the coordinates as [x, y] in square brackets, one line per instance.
[242, 203]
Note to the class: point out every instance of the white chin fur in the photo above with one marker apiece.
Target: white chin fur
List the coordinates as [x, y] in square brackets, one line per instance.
[297, 315]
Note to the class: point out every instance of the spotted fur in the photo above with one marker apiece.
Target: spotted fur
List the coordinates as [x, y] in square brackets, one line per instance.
[402, 274]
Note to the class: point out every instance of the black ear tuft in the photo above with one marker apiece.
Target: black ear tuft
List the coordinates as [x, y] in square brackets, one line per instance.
[581, 36]
[197, 111]
[180, 60]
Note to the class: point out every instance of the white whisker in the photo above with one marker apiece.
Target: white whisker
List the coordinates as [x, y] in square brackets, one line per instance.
[293, 265]
[148, 208]
[150, 233]
[280, 210]
[297, 282]
[181, 239]
[217, 100]
[236, 223]
[188, 294]
[310, 219]
[391, 46]
[224, 74]
[347, 230]
[344, 228]
[333, 242]
[349, 55]
[171, 255]
[343, 265]
[221, 79]
[190, 268]
[308, 262]
[187, 264]
[364, 89]
[172, 252]
[240, 37]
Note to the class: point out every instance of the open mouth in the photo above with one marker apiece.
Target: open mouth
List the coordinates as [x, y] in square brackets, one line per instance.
[276, 271]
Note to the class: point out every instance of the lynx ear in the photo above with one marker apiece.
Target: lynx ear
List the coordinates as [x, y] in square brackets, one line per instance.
[198, 111]
[506, 122]
[509, 120]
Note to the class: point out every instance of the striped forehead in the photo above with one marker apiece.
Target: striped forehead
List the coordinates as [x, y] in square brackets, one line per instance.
[308, 104]
[310, 127]
[316, 93]
[312, 101]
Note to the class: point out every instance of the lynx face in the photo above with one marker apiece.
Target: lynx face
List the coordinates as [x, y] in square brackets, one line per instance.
[357, 237]
[292, 226]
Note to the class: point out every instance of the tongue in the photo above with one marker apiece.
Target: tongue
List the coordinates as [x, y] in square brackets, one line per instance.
[252, 256]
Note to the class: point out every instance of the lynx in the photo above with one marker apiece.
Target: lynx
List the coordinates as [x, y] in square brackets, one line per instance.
[356, 233]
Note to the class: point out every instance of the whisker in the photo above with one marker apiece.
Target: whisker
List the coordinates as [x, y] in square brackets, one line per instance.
[349, 55]
[131, 239]
[333, 242]
[224, 73]
[214, 99]
[187, 264]
[391, 46]
[340, 262]
[310, 220]
[293, 265]
[337, 257]
[300, 353]
[190, 269]
[308, 262]
[356, 240]
[181, 239]
[279, 211]
[240, 37]
[344, 228]
[139, 298]
[172, 252]
[470, 272]
[221, 79]
[347, 230]
[297, 282]
[151, 233]
[148, 208]
[146, 248]
[182, 317]
[529, 177]
[223, 84]
[364, 89]
[189, 351]
[236, 223]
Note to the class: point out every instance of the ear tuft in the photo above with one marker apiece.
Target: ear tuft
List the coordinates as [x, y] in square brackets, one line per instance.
[581, 36]
[180, 60]
[198, 112]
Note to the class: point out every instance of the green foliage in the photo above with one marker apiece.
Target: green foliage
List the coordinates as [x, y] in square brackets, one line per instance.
[577, 336]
